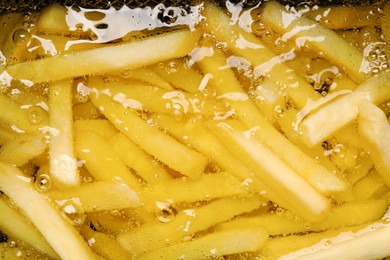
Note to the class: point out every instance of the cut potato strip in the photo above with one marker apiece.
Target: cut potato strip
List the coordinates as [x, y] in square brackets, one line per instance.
[352, 16]
[185, 224]
[163, 147]
[214, 245]
[102, 127]
[300, 196]
[376, 237]
[345, 215]
[100, 195]
[22, 149]
[375, 131]
[375, 90]
[104, 165]
[14, 224]
[63, 166]
[370, 187]
[106, 59]
[226, 85]
[203, 188]
[292, 26]
[264, 62]
[179, 74]
[53, 20]
[134, 157]
[60, 235]
[20, 119]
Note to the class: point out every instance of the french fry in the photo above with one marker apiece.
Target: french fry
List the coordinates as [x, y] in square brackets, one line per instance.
[149, 138]
[100, 195]
[375, 237]
[15, 225]
[134, 157]
[104, 244]
[375, 131]
[214, 245]
[60, 235]
[374, 90]
[53, 20]
[369, 187]
[225, 83]
[101, 162]
[21, 119]
[102, 60]
[63, 167]
[156, 100]
[335, 48]
[86, 111]
[22, 149]
[179, 74]
[203, 188]
[352, 16]
[5, 135]
[264, 62]
[187, 222]
[300, 196]
[101, 127]
[146, 75]
[385, 24]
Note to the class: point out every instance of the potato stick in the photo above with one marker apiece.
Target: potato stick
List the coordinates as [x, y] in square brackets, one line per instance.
[353, 16]
[214, 245]
[364, 166]
[300, 195]
[225, 83]
[22, 148]
[150, 139]
[5, 135]
[204, 141]
[104, 244]
[326, 41]
[53, 20]
[369, 187]
[375, 131]
[102, 127]
[100, 195]
[63, 167]
[179, 74]
[60, 235]
[15, 225]
[375, 89]
[264, 62]
[106, 59]
[206, 187]
[101, 162]
[134, 157]
[276, 247]
[385, 25]
[146, 75]
[21, 119]
[376, 237]
[156, 100]
[86, 111]
[19, 251]
[106, 222]
[185, 224]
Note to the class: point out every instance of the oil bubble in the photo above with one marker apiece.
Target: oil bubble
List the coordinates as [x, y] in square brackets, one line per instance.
[72, 210]
[21, 36]
[164, 212]
[35, 115]
[43, 182]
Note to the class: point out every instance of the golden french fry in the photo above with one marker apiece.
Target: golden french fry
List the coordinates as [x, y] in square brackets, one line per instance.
[53, 20]
[101, 127]
[134, 157]
[334, 47]
[22, 149]
[187, 222]
[61, 236]
[369, 187]
[63, 167]
[149, 138]
[214, 245]
[375, 131]
[14, 224]
[129, 55]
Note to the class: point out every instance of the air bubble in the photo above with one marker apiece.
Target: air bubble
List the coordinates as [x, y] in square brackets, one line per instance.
[43, 182]
[73, 211]
[35, 115]
[21, 36]
[12, 244]
[164, 212]
[126, 72]
[172, 67]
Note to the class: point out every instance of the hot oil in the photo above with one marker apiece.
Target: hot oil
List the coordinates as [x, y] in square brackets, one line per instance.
[25, 38]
